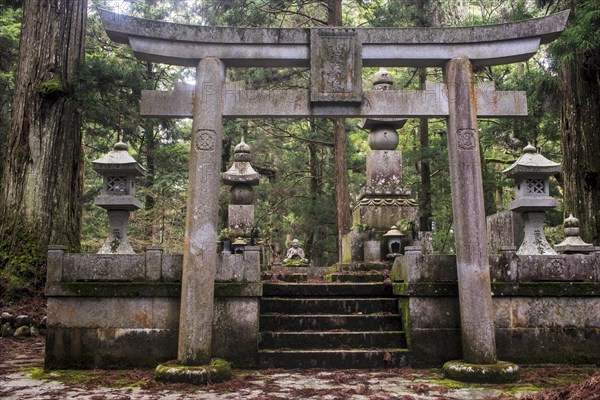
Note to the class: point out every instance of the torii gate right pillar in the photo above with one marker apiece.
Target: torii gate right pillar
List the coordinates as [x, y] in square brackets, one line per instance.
[475, 298]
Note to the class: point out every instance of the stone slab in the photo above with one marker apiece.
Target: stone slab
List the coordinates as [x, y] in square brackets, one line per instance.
[240, 216]
[415, 267]
[572, 267]
[335, 65]
[238, 267]
[235, 331]
[117, 313]
[505, 229]
[240, 103]
[384, 167]
[382, 213]
[104, 267]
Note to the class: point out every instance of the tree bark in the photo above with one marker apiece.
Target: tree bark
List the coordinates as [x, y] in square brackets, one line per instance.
[580, 142]
[42, 176]
[342, 198]
[426, 216]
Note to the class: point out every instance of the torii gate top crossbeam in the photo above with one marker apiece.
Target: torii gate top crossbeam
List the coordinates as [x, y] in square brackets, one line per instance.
[185, 45]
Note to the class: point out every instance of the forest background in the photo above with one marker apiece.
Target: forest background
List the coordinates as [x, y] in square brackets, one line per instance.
[68, 94]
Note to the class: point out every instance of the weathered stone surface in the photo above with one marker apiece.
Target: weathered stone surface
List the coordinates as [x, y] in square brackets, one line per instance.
[434, 313]
[239, 103]
[103, 267]
[414, 267]
[153, 263]
[487, 45]
[380, 214]
[335, 65]
[240, 216]
[243, 267]
[384, 167]
[23, 320]
[108, 347]
[7, 317]
[217, 371]
[504, 229]
[54, 263]
[372, 251]
[171, 267]
[200, 243]
[499, 372]
[235, 330]
[121, 313]
[22, 332]
[469, 217]
[7, 330]
[575, 267]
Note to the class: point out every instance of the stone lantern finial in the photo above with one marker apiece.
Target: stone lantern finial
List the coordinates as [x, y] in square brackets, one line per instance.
[573, 243]
[531, 173]
[118, 169]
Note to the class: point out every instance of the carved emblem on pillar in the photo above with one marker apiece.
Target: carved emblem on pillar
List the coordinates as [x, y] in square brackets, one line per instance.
[335, 66]
[205, 140]
[466, 139]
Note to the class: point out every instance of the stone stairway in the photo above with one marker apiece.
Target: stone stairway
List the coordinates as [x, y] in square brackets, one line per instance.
[335, 323]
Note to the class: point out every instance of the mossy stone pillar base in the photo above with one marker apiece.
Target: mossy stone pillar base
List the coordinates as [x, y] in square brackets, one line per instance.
[218, 371]
[500, 372]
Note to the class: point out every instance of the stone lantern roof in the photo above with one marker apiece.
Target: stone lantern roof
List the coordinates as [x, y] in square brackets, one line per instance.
[118, 161]
[532, 163]
[573, 242]
[241, 172]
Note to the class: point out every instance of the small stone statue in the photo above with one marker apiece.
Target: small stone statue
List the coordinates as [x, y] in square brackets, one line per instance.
[295, 254]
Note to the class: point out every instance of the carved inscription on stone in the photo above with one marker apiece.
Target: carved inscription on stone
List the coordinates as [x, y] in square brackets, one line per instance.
[205, 140]
[466, 139]
[335, 65]
[555, 268]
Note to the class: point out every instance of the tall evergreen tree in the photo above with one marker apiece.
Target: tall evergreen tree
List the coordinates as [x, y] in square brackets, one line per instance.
[577, 53]
[42, 177]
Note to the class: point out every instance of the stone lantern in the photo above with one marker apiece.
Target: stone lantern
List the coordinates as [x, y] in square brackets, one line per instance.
[531, 173]
[573, 244]
[118, 169]
[394, 242]
[383, 133]
[242, 178]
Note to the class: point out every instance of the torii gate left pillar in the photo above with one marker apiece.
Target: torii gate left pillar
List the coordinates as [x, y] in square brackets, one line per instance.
[200, 243]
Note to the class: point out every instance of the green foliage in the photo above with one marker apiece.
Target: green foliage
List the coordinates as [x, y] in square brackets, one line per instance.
[582, 37]
[22, 265]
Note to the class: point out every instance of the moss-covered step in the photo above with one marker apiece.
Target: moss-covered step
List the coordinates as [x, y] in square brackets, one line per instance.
[332, 340]
[311, 305]
[341, 359]
[324, 322]
[500, 372]
[217, 371]
[326, 289]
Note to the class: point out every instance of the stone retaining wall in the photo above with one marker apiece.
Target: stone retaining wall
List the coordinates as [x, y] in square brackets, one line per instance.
[113, 311]
[545, 307]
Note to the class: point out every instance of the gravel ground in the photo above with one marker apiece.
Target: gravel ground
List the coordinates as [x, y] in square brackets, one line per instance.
[22, 377]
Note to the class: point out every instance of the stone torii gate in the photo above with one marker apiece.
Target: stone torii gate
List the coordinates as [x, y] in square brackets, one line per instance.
[335, 57]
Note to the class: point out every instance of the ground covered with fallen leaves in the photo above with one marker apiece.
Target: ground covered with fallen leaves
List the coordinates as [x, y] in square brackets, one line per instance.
[23, 358]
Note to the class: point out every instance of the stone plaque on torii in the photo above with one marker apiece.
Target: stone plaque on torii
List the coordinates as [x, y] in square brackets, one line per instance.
[335, 57]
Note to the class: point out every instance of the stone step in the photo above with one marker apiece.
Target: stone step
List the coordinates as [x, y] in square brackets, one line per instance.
[362, 266]
[332, 340]
[295, 277]
[282, 289]
[340, 305]
[358, 278]
[326, 322]
[340, 359]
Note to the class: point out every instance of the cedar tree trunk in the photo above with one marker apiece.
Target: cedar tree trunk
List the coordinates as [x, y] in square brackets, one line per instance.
[42, 177]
